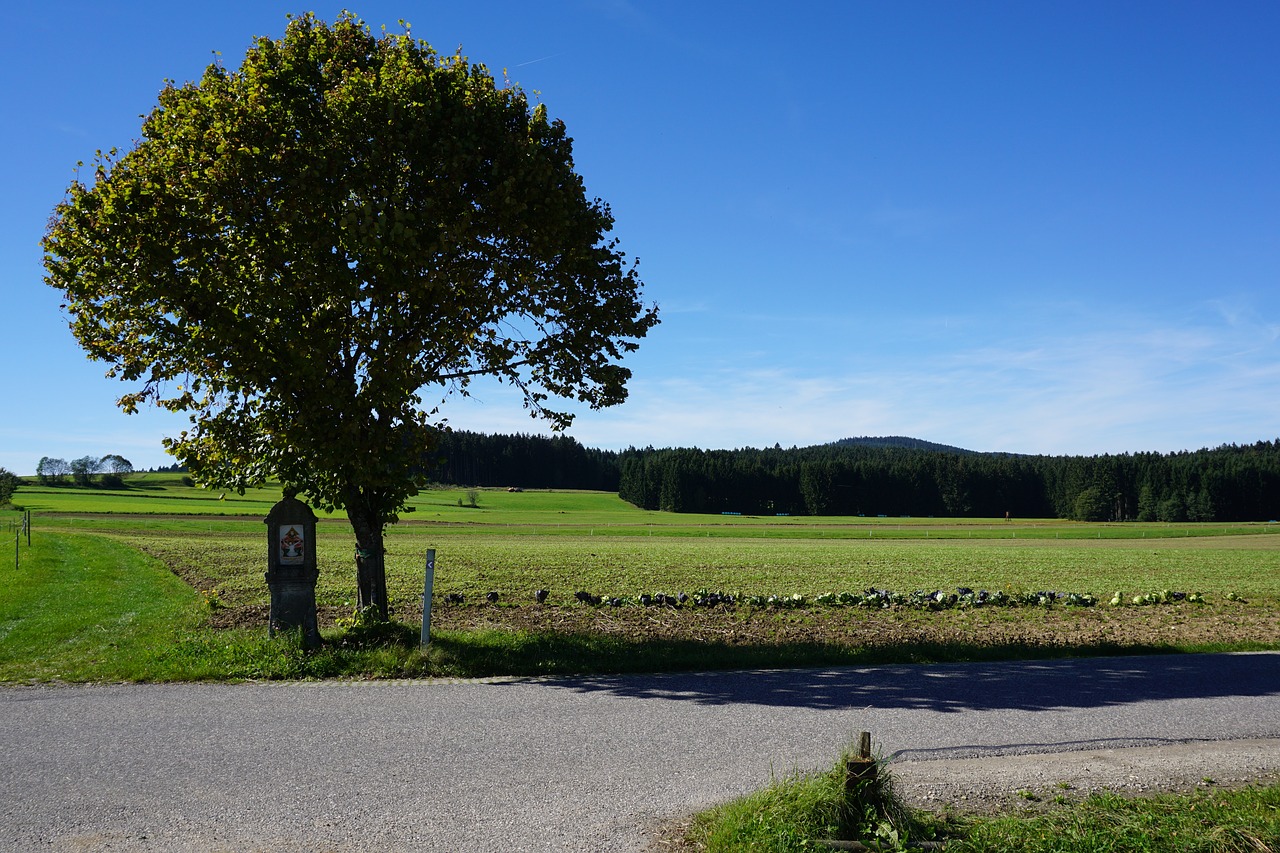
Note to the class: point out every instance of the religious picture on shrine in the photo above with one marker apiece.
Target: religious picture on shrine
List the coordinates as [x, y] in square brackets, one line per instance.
[292, 546]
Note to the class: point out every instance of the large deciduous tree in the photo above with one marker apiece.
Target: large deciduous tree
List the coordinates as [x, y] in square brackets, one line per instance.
[51, 470]
[83, 469]
[308, 254]
[114, 463]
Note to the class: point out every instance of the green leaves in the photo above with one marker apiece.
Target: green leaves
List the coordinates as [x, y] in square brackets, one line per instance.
[297, 250]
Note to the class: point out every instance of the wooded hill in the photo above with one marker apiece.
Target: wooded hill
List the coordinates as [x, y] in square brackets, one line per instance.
[885, 477]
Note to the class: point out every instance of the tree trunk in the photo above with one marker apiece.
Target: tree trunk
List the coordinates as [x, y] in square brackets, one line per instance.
[371, 569]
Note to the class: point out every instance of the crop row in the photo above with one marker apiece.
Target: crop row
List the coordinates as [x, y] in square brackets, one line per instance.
[963, 597]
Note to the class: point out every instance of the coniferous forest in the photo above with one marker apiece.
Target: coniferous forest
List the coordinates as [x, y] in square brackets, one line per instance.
[891, 477]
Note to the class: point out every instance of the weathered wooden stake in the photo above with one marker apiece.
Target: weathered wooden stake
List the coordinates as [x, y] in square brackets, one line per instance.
[863, 767]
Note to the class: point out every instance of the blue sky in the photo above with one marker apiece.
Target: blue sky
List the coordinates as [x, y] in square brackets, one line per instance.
[1036, 227]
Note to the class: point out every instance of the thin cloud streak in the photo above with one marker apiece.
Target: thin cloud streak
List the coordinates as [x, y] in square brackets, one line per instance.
[1047, 396]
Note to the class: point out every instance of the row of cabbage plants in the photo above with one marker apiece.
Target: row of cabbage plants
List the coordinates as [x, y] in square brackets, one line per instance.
[874, 598]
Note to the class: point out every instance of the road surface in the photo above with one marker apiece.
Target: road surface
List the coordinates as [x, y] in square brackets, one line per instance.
[589, 764]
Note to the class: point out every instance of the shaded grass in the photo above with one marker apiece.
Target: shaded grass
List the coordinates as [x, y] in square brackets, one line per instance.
[252, 655]
[488, 653]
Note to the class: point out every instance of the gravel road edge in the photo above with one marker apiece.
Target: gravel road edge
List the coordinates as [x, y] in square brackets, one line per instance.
[1000, 783]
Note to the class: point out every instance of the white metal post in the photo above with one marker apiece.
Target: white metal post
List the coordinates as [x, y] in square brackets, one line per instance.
[427, 584]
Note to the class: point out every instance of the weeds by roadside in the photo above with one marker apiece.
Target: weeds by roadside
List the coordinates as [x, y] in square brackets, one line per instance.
[803, 811]
[1242, 821]
[816, 811]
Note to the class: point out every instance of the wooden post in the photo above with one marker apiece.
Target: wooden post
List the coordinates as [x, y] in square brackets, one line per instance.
[863, 766]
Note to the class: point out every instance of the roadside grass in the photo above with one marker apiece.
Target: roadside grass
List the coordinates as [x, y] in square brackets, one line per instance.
[798, 812]
[484, 653]
[84, 608]
[1214, 821]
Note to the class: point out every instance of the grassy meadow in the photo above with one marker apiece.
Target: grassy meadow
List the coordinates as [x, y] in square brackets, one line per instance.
[205, 554]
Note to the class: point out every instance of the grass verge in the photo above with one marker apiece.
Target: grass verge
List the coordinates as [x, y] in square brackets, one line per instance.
[799, 812]
[87, 608]
[1241, 821]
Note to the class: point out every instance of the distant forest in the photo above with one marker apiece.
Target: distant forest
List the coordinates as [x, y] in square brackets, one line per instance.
[523, 461]
[884, 476]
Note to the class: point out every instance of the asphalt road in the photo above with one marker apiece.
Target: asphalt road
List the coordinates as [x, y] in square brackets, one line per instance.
[588, 764]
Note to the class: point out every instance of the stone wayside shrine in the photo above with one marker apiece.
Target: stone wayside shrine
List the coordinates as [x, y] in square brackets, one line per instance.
[291, 568]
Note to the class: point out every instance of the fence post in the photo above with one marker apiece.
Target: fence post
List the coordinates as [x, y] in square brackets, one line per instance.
[427, 584]
[862, 767]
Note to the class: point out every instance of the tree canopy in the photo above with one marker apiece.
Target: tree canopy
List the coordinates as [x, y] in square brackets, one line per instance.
[308, 254]
[8, 485]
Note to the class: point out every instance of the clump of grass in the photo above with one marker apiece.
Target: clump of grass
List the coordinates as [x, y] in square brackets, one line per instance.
[801, 810]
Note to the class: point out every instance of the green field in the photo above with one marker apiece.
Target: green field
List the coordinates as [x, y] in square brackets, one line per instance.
[575, 513]
[515, 543]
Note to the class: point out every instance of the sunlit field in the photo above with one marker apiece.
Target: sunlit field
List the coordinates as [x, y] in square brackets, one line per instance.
[799, 586]
[517, 542]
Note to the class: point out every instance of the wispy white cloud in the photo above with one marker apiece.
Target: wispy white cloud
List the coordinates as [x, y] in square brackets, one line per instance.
[1090, 385]
[1061, 381]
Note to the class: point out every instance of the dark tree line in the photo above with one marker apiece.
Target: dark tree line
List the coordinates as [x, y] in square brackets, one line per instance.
[522, 461]
[883, 477]
[1229, 483]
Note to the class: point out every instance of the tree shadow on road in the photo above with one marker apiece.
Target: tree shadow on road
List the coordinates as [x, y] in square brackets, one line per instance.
[1024, 685]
